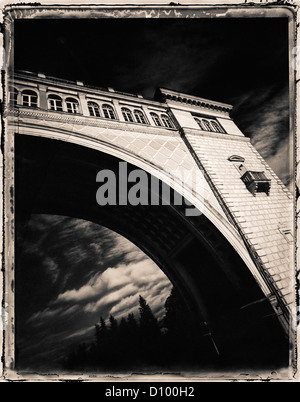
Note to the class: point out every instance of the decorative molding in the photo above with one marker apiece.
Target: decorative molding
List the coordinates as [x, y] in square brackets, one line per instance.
[166, 94]
[61, 117]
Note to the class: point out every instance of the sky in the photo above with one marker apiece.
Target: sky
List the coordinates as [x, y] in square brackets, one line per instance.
[76, 271]
[72, 271]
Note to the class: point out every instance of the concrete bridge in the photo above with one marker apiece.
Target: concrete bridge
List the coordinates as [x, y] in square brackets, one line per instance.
[233, 263]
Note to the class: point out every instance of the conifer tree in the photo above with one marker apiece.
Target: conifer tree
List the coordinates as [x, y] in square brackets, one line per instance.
[113, 323]
[150, 336]
[148, 322]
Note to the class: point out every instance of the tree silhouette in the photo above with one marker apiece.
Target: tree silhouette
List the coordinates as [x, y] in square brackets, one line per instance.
[150, 335]
[148, 322]
[102, 346]
[138, 344]
[113, 324]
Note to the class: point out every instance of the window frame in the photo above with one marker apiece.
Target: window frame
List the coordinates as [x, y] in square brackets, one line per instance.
[30, 95]
[55, 107]
[209, 124]
[139, 116]
[219, 129]
[73, 102]
[127, 115]
[109, 112]
[199, 122]
[206, 125]
[164, 117]
[155, 117]
[93, 108]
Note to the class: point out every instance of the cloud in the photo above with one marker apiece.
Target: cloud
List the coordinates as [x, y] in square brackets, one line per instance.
[115, 291]
[264, 117]
[39, 318]
[267, 128]
[46, 314]
[51, 268]
[80, 333]
[111, 298]
[144, 279]
[281, 162]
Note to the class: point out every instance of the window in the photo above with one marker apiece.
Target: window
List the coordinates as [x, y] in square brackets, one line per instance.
[166, 121]
[256, 182]
[72, 105]
[108, 112]
[55, 103]
[206, 125]
[127, 114]
[94, 109]
[12, 96]
[212, 125]
[216, 127]
[29, 98]
[198, 121]
[156, 119]
[139, 117]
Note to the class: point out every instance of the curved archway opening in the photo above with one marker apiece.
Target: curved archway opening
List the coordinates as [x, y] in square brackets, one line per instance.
[56, 177]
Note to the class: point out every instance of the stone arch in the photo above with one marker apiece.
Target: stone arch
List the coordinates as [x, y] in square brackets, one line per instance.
[203, 204]
[179, 239]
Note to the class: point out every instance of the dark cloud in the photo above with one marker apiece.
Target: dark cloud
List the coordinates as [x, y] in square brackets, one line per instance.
[71, 272]
[269, 130]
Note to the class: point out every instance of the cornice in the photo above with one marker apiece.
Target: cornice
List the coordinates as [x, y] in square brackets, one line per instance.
[169, 95]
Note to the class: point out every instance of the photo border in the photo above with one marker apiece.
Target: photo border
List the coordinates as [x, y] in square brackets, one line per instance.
[15, 12]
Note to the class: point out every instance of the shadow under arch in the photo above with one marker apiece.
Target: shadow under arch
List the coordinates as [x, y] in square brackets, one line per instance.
[59, 178]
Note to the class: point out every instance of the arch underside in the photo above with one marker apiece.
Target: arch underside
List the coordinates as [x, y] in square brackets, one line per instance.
[57, 177]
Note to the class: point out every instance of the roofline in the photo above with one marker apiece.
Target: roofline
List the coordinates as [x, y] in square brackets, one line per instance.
[80, 86]
[161, 97]
[168, 94]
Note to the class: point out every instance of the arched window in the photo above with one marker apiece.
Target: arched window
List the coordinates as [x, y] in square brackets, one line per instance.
[139, 117]
[94, 109]
[72, 105]
[108, 112]
[156, 119]
[12, 96]
[206, 125]
[166, 121]
[198, 121]
[127, 114]
[29, 98]
[216, 127]
[55, 103]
